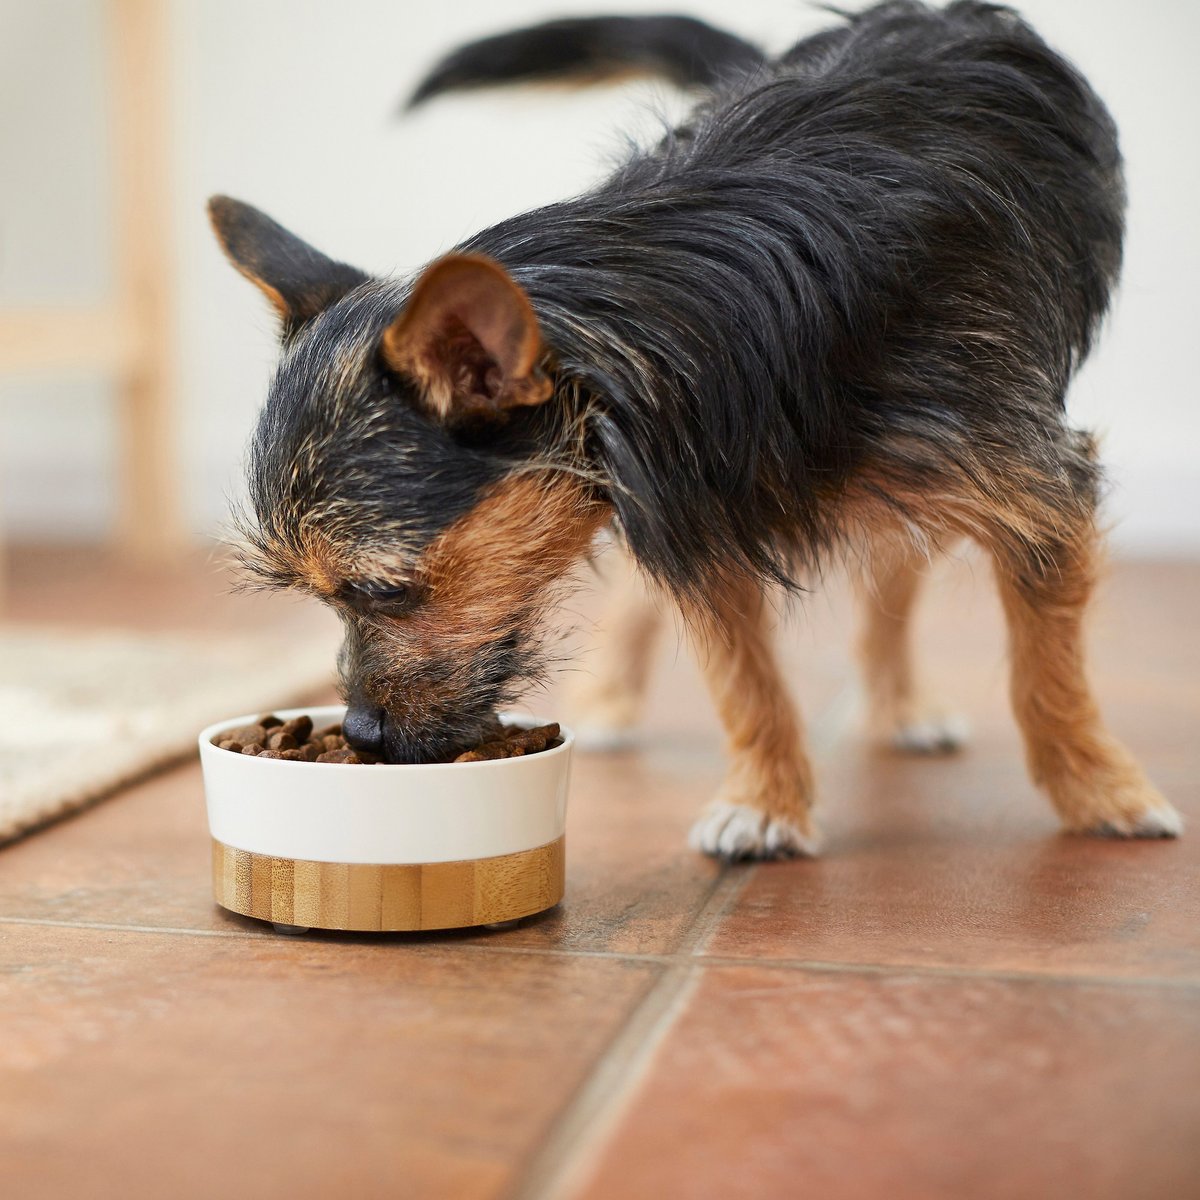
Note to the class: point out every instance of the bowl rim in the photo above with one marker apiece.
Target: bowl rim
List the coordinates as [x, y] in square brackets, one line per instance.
[508, 716]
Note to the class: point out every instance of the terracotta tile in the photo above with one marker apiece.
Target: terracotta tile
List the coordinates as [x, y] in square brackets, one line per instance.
[138, 858]
[785, 1083]
[959, 862]
[943, 866]
[145, 1065]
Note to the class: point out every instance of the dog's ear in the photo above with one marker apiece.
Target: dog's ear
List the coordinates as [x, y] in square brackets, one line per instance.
[469, 337]
[298, 280]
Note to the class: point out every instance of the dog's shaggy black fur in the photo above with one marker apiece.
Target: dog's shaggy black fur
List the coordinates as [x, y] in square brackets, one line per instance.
[892, 246]
[870, 264]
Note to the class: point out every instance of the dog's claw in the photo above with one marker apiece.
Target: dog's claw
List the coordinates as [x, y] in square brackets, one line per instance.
[738, 832]
[1161, 821]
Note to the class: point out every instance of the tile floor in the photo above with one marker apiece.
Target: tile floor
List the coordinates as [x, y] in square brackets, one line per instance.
[956, 1001]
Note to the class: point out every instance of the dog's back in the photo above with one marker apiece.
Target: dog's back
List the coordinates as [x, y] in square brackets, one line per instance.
[938, 133]
[902, 234]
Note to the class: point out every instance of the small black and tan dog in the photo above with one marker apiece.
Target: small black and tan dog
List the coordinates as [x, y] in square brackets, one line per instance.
[835, 313]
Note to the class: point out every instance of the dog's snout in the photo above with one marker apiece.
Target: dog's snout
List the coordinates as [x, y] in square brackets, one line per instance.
[362, 727]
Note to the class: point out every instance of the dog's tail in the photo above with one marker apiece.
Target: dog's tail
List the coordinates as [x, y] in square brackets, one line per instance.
[683, 50]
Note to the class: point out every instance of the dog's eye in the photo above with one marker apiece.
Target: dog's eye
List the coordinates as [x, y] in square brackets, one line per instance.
[394, 597]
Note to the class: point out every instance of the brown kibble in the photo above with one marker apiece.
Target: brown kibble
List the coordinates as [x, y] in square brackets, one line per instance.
[248, 735]
[295, 740]
[536, 739]
[300, 728]
[339, 756]
[489, 751]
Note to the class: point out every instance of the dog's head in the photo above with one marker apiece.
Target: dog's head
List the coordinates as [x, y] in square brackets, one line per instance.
[402, 471]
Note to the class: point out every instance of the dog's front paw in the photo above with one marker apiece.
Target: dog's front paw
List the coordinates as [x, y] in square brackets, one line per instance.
[735, 832]
[1121, 803]
[1161, 820]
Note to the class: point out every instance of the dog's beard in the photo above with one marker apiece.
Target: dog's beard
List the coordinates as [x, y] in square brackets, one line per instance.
[405, 743]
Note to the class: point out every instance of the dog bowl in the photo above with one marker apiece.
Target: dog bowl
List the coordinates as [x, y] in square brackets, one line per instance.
[385, 847]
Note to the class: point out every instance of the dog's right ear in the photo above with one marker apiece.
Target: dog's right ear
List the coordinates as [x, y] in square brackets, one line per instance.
[298, 280]
[468, 335]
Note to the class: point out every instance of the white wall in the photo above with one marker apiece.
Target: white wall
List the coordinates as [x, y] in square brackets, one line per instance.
[290, 105]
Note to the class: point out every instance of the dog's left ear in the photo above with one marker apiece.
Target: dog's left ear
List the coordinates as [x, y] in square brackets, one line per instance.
[469, 337]
[300, 282]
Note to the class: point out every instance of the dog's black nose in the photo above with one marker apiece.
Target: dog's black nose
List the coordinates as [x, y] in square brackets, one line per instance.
[362, 727]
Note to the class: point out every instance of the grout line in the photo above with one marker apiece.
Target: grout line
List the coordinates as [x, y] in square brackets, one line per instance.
[832, 967]
[932, 971]
[583, 1128]
[115, 927]
[694, 958]
[723, 895]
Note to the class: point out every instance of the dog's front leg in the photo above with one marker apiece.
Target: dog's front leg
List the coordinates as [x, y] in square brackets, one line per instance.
[764, 808]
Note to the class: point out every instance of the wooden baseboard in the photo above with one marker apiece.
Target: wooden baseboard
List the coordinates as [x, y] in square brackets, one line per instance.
[389, 897]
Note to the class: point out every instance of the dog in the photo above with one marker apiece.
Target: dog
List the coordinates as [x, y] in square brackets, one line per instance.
[833, 314]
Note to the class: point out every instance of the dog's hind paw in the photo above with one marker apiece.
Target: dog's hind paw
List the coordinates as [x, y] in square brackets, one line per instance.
[736, 832]
[604, 722]
[933, 734]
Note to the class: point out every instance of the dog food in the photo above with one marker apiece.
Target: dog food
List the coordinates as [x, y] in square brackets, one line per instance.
[297, 741]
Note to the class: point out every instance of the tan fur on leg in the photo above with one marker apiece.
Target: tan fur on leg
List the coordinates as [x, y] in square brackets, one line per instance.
[606, 703]
[898, 713]
[764, 808]
[1092, 780]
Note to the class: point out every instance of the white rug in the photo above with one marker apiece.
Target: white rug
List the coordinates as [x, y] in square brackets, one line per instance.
[83, 713]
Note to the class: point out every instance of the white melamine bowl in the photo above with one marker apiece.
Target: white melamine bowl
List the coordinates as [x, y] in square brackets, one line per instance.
[383, 847]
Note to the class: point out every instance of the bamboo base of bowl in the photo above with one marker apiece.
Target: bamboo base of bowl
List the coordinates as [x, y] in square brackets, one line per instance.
[388, 897]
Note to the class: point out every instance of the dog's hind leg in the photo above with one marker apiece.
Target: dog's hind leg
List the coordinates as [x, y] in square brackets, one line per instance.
[764, 808]
[1092, 780]
[605, 703]
[899, 714]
